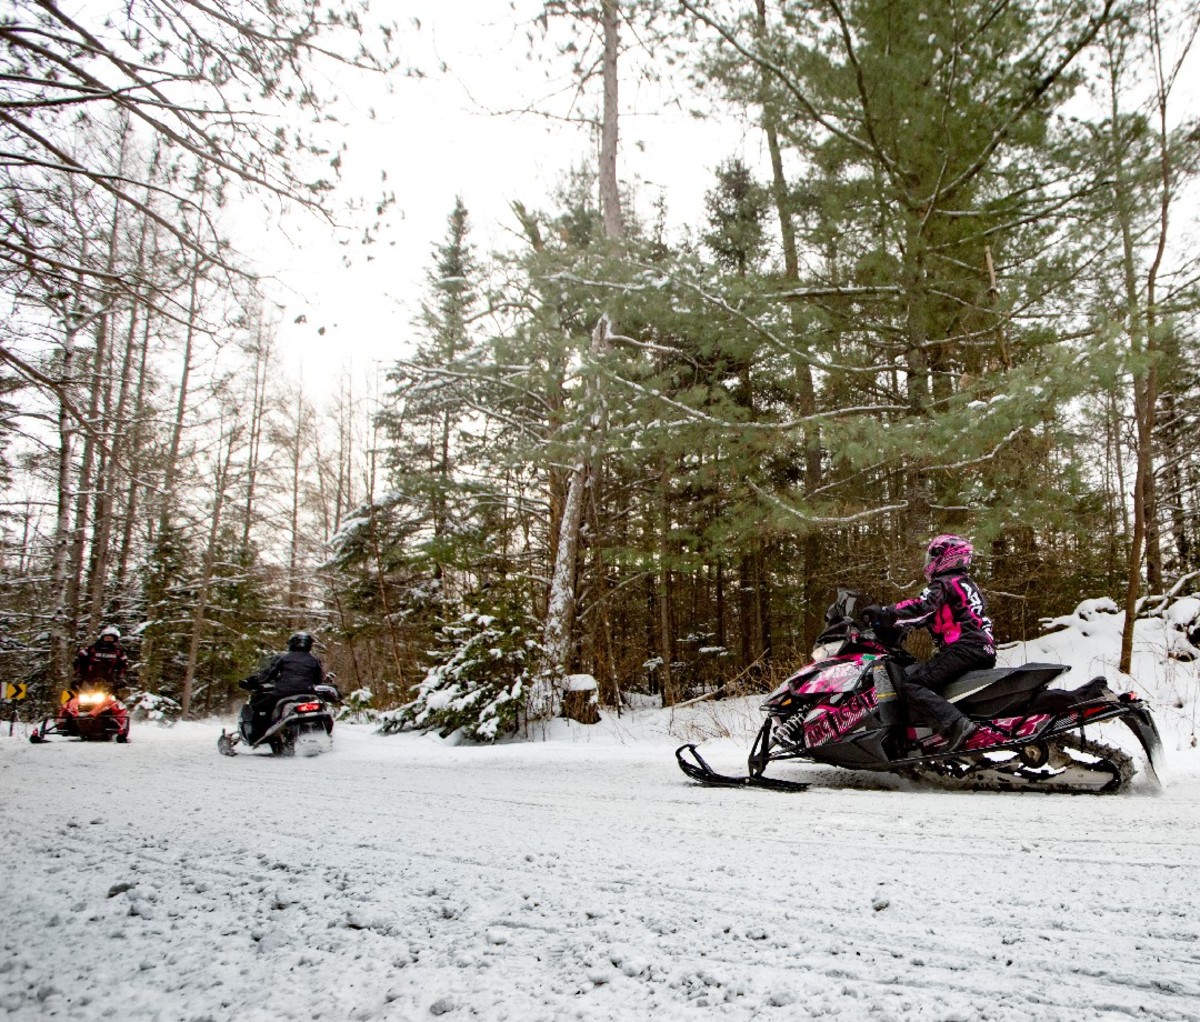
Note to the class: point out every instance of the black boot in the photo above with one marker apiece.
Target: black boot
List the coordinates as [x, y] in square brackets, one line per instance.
[959, 733]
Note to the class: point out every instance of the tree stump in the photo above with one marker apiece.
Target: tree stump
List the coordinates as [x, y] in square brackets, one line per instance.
[580, 701]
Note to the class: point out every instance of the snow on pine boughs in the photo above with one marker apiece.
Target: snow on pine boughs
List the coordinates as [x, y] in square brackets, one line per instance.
[479, 685]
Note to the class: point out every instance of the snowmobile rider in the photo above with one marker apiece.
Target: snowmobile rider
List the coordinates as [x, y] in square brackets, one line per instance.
[103, 664]
[951, 608]
[291, 673]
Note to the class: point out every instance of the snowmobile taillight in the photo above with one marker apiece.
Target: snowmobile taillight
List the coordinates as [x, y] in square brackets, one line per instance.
[308, 707]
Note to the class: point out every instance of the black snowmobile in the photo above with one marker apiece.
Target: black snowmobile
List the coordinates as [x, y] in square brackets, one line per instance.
[842, 710]
[299, 723]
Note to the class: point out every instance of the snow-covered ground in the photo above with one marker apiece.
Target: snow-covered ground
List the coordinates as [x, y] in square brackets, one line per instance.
[583, 877]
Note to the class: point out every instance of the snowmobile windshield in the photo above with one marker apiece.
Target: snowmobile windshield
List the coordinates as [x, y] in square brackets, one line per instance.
[823, 651]
[832, 639]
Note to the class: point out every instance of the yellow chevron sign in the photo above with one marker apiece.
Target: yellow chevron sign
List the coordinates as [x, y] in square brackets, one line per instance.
[17, 691]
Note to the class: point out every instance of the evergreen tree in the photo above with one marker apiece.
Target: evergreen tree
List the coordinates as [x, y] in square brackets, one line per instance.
[484, 667]
[737, 211]
[934, 209]
[428, 405]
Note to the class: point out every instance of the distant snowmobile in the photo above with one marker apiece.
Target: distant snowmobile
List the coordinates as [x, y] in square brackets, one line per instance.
[299, 723]
[842, 710]
[91, 714]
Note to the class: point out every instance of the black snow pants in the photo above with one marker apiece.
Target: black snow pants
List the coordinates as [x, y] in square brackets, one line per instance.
[258, 712]
[923, 683]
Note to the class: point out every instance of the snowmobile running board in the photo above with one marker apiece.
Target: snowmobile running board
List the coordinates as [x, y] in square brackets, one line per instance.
[698, 770]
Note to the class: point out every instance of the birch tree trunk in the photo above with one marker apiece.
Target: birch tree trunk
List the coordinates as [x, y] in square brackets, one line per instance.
[60, 619]
[558, 634]
[262, 361]
[151, 666]
[87, 466]
[101, 455]
[137, 429]
[296, 451]
[102, 515]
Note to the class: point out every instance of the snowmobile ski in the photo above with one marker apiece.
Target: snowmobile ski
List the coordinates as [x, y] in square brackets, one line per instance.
[695, 766]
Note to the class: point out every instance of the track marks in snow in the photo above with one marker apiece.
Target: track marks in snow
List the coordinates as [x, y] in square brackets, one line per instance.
[397, 883]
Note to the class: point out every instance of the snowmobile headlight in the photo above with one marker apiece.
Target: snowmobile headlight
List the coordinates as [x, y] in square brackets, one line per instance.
[825, 650]
[91, 698]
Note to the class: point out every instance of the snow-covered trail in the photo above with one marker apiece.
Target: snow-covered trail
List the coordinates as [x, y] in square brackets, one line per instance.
[397, 878]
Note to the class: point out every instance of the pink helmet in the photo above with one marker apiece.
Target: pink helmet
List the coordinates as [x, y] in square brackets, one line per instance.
[947, 552]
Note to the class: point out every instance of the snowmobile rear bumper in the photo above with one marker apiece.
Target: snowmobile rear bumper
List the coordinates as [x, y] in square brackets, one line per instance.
[1140, 722]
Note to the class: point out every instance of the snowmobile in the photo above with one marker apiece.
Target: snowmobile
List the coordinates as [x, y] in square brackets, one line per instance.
[90, 714]
[843, 710]
[299, 723]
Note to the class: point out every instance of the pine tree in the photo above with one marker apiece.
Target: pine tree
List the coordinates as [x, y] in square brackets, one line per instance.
[484, 667]
[933, 204]
[424, 420]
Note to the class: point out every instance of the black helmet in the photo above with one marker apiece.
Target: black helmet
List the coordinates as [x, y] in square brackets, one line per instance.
[301, 642]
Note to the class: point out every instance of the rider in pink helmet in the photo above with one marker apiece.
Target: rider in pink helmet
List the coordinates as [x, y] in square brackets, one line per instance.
[947, 553]
[952, 608]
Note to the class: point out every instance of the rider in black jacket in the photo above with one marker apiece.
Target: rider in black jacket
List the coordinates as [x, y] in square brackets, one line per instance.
[291, 673]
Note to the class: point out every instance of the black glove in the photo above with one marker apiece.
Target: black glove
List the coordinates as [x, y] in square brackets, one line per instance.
[876, 616]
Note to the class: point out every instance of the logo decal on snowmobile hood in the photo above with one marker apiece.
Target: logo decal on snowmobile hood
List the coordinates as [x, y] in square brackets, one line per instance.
[838, 677]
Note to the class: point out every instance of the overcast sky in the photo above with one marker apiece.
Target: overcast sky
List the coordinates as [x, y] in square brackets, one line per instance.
[436, 139]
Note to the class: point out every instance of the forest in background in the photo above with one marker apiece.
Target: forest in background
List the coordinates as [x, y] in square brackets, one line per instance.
[958, 293]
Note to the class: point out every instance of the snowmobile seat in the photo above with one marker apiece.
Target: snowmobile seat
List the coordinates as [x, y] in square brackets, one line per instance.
[994, 691]
[1060, 700]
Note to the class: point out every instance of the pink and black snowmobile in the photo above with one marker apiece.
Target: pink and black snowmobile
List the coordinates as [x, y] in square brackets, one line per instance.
[91, 714]
[842, 710]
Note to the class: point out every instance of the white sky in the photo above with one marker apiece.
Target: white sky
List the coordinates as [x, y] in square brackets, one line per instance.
[435, 142]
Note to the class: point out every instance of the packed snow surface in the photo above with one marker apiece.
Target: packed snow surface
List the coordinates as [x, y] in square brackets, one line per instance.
[583, 877]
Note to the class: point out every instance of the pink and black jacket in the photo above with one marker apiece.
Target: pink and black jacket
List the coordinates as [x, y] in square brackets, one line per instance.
[953, 609]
